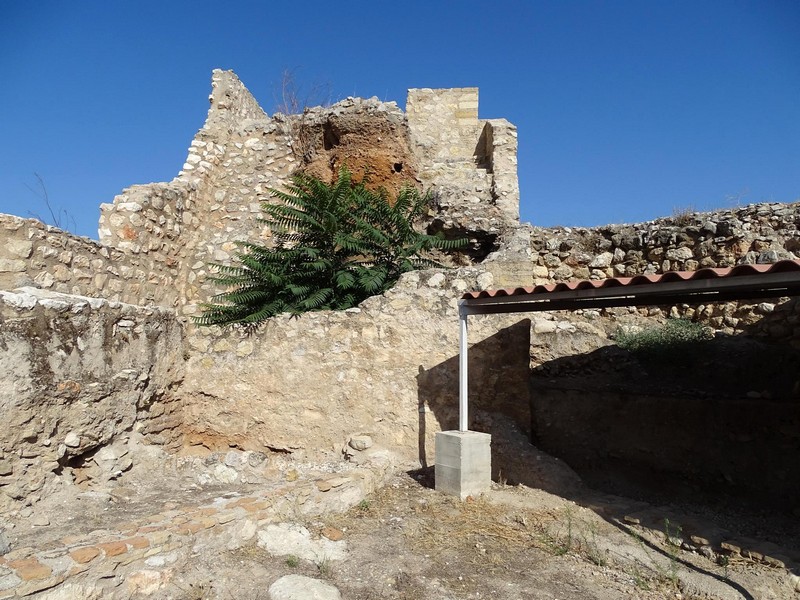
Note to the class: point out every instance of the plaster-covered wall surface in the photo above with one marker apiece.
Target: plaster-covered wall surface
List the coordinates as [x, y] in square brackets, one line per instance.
[78, 373]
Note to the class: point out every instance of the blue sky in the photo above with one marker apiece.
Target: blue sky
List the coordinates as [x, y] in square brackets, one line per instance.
[627, 110]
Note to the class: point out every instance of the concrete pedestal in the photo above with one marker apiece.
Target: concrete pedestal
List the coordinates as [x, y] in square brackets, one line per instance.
[463, 463]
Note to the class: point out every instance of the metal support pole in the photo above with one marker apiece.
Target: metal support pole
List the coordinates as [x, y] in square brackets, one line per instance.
[463, 420]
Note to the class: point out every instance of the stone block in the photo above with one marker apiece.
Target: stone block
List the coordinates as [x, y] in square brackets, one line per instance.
[463, 463]
[8, 265]
[84, 554]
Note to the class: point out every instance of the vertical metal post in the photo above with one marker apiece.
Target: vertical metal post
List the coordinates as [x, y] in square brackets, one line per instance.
[463, 393]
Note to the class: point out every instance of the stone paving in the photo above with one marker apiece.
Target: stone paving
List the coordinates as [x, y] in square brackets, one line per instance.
[108, 557]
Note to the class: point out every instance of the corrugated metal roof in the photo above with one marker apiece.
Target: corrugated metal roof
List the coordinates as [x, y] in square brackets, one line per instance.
[704, 285]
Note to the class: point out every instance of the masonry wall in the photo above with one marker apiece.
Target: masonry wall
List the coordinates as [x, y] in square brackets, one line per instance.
[388, 368]
[468, 163]
[196, 220]
[240, 154]
[79, 374]
[34, 254]
[757, 233]
[95, 370]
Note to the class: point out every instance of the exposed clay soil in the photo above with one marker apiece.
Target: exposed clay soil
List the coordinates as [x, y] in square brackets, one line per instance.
[375, 150]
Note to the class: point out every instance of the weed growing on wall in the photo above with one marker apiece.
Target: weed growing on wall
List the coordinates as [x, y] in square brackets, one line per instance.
[59, 217]
[683, 215]
[673, 341]
[334, 246]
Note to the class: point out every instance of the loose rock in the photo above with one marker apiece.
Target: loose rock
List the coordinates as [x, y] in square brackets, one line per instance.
[299, 587]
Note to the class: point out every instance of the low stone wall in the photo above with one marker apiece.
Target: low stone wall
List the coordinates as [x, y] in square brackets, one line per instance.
[80, 373]
[757, 233]
[388, 368]
[34, 254]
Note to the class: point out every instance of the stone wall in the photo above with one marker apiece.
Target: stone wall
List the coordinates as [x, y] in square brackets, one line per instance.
[240, 154]
[89, 372]
[444, 123]
[469, 164]
[34, 254]
[388, 368]
[195, 220]
[757, 233]
[79, 374]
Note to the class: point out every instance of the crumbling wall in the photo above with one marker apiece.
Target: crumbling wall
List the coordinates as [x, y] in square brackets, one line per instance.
[157, 241]
[79, 374]
[469, 164]
[34, 254]
[757, 233]
[368, 137]
[240, 154]
[196, 220]
[388, 368]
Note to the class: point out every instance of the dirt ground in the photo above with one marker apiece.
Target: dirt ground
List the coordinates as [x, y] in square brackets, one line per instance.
[408, 542]
[552, 538]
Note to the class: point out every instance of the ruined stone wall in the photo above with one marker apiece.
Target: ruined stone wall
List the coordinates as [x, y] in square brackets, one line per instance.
[79, 374]
[34, 254]
[195, 220]
[757, 233]
[240, 154]
[156, 244]
[388, 368]
[468, 163]
[157, 241]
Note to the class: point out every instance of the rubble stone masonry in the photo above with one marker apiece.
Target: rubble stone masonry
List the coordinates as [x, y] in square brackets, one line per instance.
[387, 368]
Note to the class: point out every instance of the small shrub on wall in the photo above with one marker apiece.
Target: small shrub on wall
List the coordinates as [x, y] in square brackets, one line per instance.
[334, 246]
[675, 339]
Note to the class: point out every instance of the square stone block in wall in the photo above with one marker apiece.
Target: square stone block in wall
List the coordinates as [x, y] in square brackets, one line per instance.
[463, 463]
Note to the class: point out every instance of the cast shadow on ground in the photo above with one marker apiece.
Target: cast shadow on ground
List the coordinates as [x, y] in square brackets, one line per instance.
[710, 424]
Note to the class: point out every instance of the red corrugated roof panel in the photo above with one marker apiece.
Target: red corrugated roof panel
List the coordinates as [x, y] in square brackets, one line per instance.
[783, 266]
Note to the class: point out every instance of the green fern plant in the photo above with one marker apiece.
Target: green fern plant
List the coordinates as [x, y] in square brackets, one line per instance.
[334, 245]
